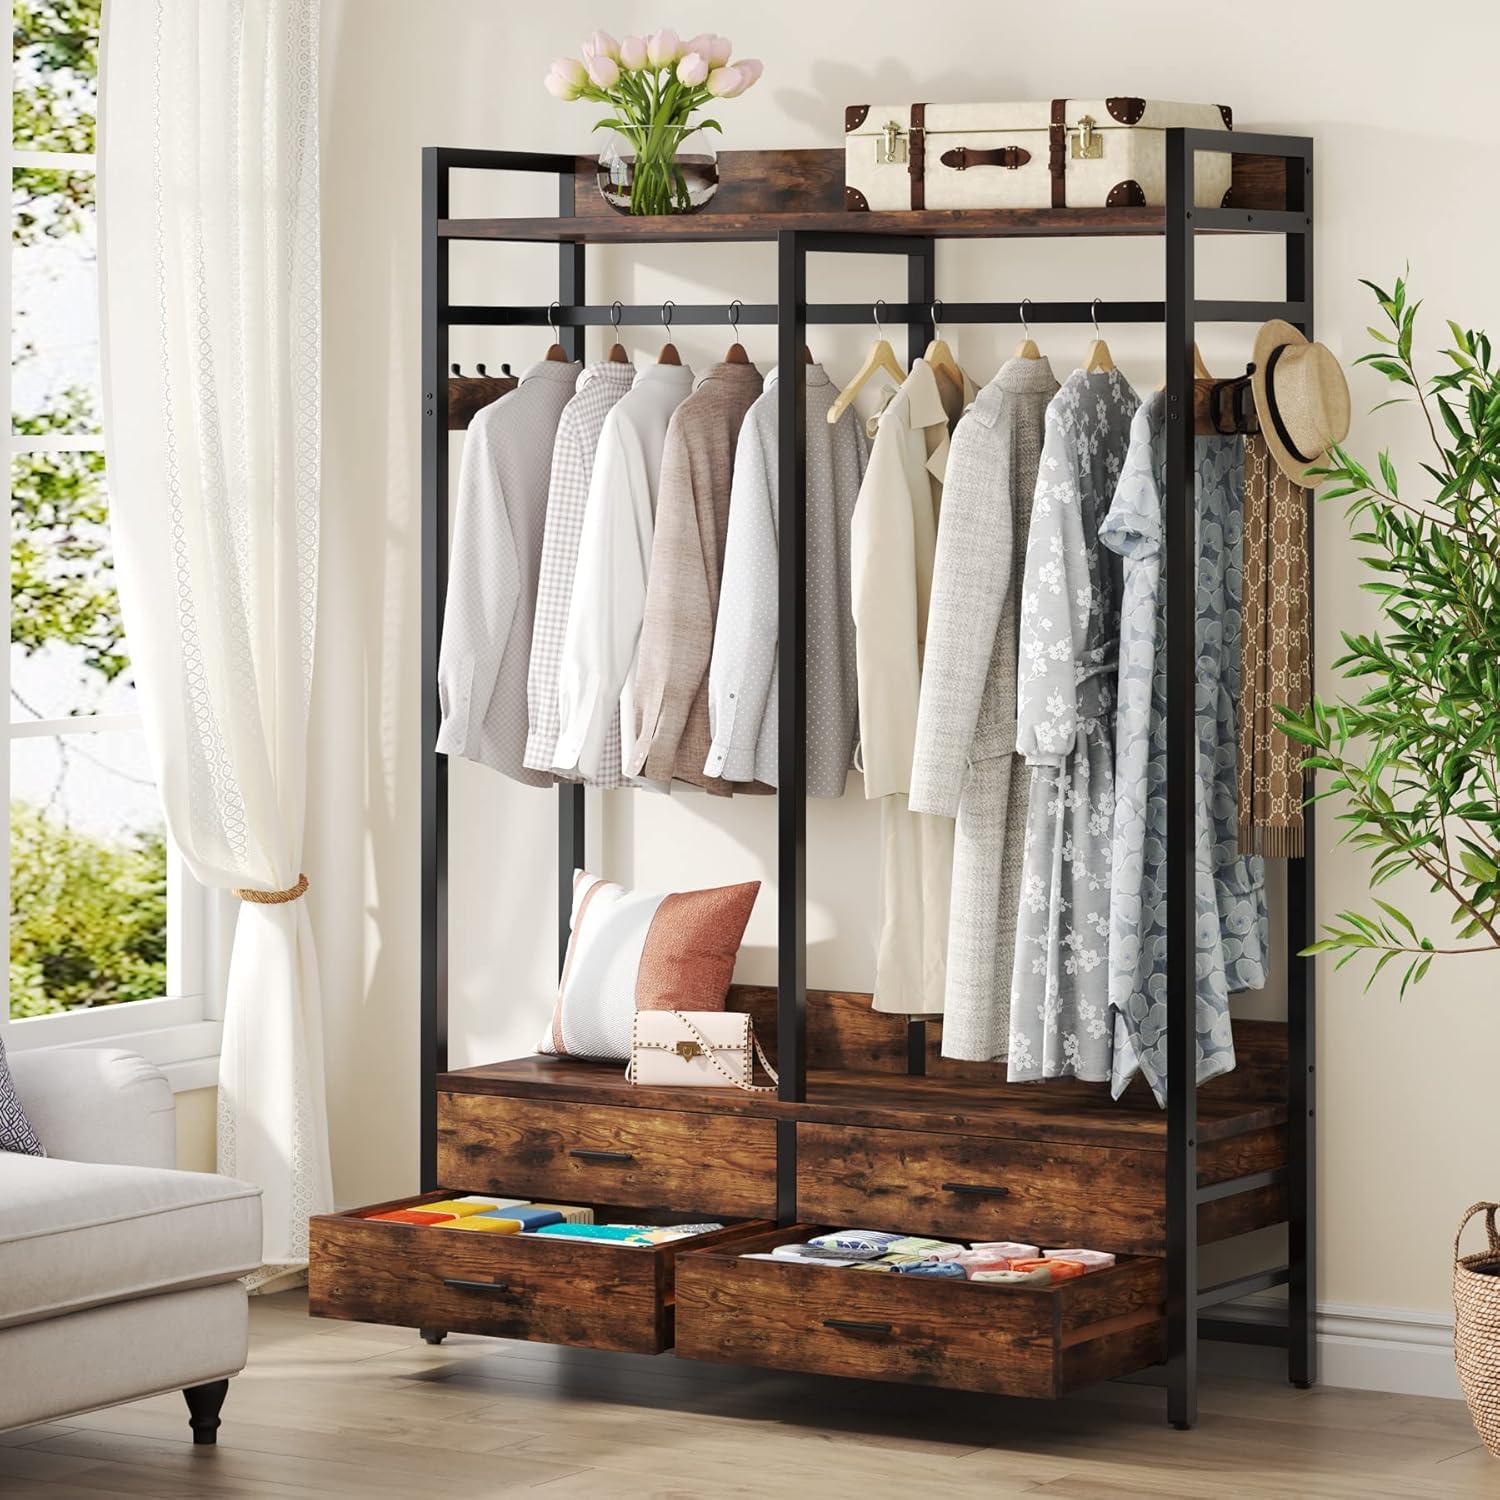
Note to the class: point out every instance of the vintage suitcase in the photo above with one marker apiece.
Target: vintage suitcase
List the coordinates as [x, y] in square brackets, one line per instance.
[1071, 153]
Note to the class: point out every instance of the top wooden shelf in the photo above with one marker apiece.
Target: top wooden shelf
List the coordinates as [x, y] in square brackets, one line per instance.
[762, 193]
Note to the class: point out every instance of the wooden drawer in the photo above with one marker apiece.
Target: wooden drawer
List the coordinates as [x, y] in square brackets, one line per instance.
[716, 1166]
[1020, 1341]
[598, 1296]
[977, 1187]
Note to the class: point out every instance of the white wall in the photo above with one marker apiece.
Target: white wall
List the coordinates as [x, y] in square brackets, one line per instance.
[1405, 172]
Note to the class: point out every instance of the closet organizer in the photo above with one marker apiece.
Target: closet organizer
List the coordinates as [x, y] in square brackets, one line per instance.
[871, 1125]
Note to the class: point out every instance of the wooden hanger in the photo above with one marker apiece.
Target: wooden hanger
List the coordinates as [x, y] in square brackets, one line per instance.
[940, 356]
[1098, 360]
[736, 355]
[618, 354]
[880, 359]
[669, 354]
[1026, 349]
[556, 352]
[1200, 370]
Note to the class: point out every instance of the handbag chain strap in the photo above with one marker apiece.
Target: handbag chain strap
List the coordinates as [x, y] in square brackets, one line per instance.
[707, 1051]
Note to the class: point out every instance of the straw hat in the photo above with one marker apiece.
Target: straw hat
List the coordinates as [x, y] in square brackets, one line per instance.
[1301, 397]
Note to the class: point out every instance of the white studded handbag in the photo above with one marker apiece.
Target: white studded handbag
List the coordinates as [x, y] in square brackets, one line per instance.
[696, 1049]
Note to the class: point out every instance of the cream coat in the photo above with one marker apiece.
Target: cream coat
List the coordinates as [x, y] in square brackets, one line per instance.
[894, 543]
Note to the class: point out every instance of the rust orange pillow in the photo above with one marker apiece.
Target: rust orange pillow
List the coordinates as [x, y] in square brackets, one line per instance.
[637, 950]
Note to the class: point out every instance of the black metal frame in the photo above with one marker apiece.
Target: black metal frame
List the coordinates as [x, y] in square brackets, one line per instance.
[792, 315]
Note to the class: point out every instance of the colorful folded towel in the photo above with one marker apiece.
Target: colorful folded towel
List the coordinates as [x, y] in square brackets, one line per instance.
[1039, 1277]
[526, 1216]
[483, 1224]
[812, 1255]
[1059, 1270]
[945, 1270]
[571, 1213]
[874, 1241]
[412, 1216]
[981, 1260]
[1090, 1260]
[1010, 1249]
[667, 1233]
[487, 1200]
[614, 1234]
[457, 1208]
[915, 1244]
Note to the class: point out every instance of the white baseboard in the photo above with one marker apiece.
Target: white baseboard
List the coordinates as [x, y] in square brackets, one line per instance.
[1362, 1348]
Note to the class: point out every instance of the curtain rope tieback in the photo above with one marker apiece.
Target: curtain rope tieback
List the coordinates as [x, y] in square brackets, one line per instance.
[272, 898]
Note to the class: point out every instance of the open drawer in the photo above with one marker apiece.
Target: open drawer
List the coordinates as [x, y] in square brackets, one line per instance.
[1018, 1341]
[515, 1286]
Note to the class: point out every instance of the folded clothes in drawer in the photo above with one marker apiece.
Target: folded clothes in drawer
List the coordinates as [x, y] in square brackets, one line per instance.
[606, 1283]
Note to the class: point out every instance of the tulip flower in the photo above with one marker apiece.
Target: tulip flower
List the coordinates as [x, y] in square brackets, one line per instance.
[725, 83]
[566, 79]
[633, 53]
[663, 47]
[714, 50]
[604, 72]
[750, 68]
[601, 44]
[692, 69]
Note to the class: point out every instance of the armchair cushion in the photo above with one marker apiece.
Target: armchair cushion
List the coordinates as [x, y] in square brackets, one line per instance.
[16, 1132]
[77, 1234]
[97, 1104]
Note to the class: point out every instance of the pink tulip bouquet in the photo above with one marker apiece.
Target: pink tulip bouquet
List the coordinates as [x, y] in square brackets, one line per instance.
[652, 85]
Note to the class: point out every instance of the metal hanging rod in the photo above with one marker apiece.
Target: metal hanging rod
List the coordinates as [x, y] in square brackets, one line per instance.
[828, 313]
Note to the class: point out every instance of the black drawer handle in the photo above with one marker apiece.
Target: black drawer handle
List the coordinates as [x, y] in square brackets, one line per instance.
[853, 1325]
[461, 1284]
[615, 1156]
[977, 1189]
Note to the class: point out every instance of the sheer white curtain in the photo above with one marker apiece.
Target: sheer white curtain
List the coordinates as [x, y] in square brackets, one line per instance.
[211, 321]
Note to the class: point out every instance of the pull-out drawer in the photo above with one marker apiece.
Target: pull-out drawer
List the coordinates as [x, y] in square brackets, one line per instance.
[514, 1286]
[1019, 1341]
[710, 1165]
[977, 1187]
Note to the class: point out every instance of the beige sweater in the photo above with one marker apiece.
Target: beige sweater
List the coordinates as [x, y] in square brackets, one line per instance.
[687, 565]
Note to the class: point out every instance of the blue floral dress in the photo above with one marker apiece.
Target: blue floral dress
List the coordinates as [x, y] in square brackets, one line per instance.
[1232, 928]
[1065, 723]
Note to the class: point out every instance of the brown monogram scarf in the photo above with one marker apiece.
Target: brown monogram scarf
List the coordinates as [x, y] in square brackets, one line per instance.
[1277, 656]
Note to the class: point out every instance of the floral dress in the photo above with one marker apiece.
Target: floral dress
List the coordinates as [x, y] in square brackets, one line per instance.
[1065, 720]
[1232, 925]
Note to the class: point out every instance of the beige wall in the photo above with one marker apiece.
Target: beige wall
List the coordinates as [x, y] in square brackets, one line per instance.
[1403, 130]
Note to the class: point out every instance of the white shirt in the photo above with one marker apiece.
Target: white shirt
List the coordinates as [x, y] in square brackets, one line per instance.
[495, 559]
[596, 676]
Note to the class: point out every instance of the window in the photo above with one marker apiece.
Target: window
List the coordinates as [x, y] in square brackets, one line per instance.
[103, 922]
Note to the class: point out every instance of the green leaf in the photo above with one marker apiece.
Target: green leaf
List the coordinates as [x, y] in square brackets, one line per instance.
[1398, 916]
[1481, 868]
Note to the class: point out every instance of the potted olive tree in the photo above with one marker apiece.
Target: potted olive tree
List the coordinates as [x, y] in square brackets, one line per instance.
[1413, 753]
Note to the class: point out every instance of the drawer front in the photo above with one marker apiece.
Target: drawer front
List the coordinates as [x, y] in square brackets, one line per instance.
[721, 1165]
[506, 1286]
[973, 1187]
[959, 1335]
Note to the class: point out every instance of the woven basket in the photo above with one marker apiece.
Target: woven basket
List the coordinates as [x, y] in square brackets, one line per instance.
[1476, 1326]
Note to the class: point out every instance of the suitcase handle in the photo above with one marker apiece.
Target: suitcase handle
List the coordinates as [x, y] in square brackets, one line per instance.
[583, 1154]
[961, 158]
[461, 1284]
[853, 1325]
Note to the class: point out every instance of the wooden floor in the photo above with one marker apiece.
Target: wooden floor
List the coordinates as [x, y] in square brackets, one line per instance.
[352, 1409]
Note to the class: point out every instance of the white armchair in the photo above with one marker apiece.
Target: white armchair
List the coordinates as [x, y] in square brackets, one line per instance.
[118, 1274]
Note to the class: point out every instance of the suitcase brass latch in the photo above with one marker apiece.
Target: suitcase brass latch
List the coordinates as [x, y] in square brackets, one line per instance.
[1088, 144]
[891, 146]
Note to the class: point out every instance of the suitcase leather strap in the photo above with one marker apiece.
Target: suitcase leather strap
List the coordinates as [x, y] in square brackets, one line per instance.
[961, 158]
[916, 155]
[1057, 153]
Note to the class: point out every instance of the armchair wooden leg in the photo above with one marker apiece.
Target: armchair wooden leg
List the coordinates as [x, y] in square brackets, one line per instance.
[204, 1402]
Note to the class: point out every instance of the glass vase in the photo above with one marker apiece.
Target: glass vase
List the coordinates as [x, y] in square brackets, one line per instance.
[663, 179]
